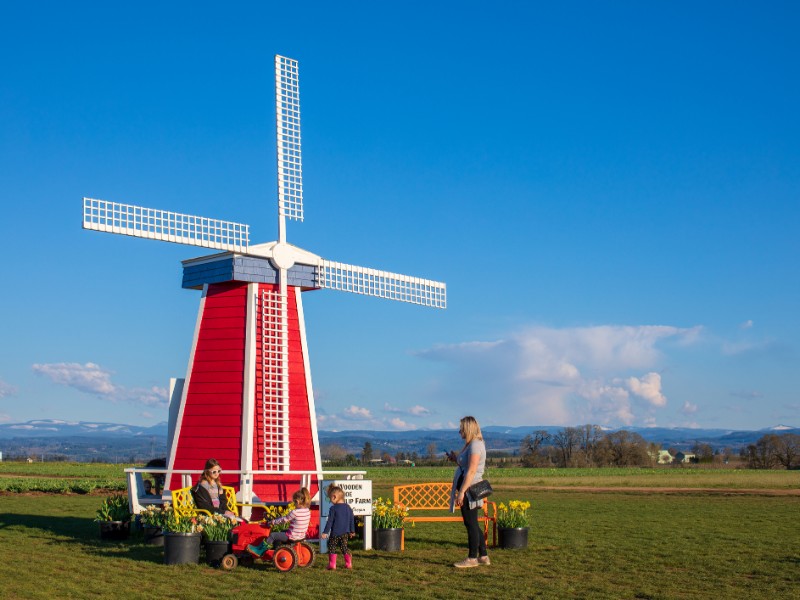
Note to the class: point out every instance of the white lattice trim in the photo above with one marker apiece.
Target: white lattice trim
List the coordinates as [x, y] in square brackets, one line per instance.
[274, 382]
[371, 282]
[290, 156]
[155, 224]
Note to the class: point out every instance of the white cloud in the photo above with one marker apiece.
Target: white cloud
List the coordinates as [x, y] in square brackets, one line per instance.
[747, 324]
[358, 412]
[93, 379]
[551, 376]
[604, 403]
[400, 424]
[356, 417]
[689, 408]
[648, 387]
[753, 348]
[152, 396]
[88, 378]
[414, 411]
[6, 389]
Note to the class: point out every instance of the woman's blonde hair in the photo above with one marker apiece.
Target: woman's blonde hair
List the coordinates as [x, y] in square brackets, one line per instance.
[302, 498]
[470, 429]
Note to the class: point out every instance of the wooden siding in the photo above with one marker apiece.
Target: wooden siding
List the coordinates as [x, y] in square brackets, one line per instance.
[212, 417]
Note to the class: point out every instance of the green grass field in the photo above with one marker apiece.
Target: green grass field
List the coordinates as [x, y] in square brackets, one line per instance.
[615, 544]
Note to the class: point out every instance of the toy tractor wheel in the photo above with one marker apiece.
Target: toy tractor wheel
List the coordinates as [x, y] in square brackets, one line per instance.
[284, 559]
[229, 562]
[305, 554]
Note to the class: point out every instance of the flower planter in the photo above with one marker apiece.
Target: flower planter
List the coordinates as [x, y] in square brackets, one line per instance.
[215, 551]
[387, 540]
[181, 548]
[513, 538]
[115, 530]
[153, 536]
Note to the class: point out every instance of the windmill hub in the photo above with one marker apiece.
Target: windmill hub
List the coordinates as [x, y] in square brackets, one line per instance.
[283, 256]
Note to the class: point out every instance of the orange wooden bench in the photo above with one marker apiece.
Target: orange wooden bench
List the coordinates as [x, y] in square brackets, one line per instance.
[436, 497]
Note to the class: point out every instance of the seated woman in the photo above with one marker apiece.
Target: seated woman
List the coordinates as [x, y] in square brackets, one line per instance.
[208, 493]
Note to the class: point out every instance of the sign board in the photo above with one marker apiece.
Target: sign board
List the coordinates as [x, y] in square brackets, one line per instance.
[357, 493]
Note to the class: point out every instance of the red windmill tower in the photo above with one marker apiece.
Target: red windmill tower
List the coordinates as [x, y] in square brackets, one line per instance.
[247, 398]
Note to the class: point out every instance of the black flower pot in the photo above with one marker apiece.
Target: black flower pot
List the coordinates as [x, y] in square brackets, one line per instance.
[181, 548]
[215, 551]
[387, 540]
[153, 536]
[513, 538]
[115, 530]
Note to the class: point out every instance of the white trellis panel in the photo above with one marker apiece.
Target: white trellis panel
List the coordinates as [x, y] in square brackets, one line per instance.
[275, 381]
[290, 163]
[155, 224]
[371, 282]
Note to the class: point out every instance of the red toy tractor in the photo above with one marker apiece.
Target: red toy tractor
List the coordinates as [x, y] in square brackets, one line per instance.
[285, 556]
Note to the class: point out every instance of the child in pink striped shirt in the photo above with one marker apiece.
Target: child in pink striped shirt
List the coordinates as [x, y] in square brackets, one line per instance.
[298, 520]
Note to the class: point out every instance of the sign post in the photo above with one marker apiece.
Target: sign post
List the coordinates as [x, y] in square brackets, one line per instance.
[358, 494]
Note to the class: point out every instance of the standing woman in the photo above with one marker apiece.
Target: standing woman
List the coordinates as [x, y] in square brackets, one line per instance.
[208, 493]
[471, 461]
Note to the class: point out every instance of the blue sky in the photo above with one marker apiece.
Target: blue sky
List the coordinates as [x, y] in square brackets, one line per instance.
[610, 191]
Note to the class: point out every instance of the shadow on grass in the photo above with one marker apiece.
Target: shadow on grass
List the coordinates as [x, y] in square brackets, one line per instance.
[132, 549]
[78, 528]
[85, 531]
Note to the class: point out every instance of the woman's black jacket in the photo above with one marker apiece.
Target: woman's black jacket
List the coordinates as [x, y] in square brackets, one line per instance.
[202, 499]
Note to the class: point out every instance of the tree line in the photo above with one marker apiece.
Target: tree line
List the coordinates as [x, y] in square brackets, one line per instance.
[773, 451]
[591, 446]
[587, 446]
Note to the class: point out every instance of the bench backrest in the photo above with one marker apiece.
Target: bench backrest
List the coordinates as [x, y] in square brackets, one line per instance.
[423, 496]
[183, 501]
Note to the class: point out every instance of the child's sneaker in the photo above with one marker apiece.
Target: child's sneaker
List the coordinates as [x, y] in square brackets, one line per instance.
[257, 550]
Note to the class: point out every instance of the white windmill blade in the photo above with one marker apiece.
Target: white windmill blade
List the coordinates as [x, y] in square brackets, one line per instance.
[290, 163]
[155, 224]
[383, 284]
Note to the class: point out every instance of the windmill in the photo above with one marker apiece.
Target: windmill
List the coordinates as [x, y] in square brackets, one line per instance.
[247, 397]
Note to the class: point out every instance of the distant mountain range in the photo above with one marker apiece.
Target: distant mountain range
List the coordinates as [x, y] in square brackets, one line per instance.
[114, 442]
[50, 439]
[56, 428]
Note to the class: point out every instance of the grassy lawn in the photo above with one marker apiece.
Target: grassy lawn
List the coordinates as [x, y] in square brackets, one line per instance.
[582, 545]
[53, 477]
[662, 477]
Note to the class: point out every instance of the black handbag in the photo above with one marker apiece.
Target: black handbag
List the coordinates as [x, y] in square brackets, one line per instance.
[480, 490]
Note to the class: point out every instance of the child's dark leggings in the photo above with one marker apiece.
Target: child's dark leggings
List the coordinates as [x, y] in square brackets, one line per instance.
[338, 543]
[475, 539]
